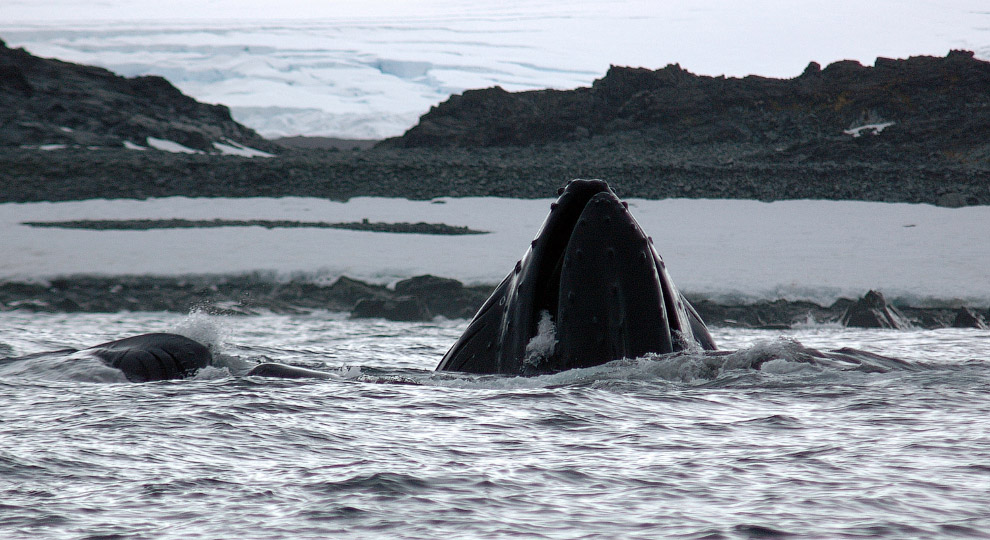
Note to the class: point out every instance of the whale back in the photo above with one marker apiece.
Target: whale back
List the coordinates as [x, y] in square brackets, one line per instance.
[153, 357]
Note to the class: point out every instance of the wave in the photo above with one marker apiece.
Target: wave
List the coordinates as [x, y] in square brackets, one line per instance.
[65, 365]
[768, 362]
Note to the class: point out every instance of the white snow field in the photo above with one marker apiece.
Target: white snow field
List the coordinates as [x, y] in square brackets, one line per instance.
[370, 68]
[724, 249]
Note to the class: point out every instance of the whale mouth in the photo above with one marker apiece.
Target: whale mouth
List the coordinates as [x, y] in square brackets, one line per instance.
[591, 287]
[595, 273]
[552, 242]
[555, 236]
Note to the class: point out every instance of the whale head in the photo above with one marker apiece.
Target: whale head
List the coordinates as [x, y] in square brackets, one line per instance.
[591, 288]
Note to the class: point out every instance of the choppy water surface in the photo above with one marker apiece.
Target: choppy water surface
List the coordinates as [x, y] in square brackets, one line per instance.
[675, 447]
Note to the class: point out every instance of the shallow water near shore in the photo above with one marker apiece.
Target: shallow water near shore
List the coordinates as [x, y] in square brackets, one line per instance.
[660, 446]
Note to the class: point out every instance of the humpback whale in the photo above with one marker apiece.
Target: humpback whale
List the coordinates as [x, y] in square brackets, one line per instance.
[590, 289]
[143, 358]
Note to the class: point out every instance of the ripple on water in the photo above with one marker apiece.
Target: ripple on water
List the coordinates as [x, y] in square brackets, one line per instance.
[683, 446]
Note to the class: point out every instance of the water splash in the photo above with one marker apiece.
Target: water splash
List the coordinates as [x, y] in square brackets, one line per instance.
[541, 347]
[212, 373]
[204, 327]
[764, 359]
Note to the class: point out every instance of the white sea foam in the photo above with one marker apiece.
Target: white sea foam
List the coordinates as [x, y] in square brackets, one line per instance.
[212, 373]
[543, 343]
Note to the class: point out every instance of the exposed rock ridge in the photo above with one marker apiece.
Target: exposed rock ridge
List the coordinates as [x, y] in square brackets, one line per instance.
[916, 99]
[417, 298]
[873, 311]
[46, 101]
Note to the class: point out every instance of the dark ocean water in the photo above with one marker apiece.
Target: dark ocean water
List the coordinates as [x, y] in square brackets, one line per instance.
[683, 447]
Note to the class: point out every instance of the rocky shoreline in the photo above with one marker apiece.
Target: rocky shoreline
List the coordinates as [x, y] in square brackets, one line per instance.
[48, 103]
[148, 224]
[631, 165]
[416, 299]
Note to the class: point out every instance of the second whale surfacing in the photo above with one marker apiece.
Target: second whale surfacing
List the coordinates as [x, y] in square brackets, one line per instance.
[590, 289]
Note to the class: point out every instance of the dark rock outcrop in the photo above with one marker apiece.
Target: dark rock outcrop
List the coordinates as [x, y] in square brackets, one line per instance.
[429, 284]
[50, 102]
[650, 134]
[768, 315]
[873, 311]
[348, 292]
[444, 296]
[941, 103]
[418, 298]
[967, 318]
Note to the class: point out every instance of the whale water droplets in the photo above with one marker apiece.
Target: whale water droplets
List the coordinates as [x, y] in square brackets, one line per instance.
[686, 342]
[200, 325]
[542, 345]
[214, 332]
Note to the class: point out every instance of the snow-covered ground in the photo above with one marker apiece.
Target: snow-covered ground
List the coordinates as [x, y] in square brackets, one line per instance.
[370, 68]
[727, 249]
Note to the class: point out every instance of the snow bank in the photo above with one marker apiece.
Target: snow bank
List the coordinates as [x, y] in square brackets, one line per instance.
[166, 145]
[874, 128]
[725, 249]
[233, 148]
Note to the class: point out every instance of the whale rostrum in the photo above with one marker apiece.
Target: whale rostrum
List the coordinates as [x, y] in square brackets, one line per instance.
[591, 288]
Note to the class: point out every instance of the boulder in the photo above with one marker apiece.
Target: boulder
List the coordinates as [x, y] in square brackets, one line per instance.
[873, 311]
[347, 292]
[967, 318]
[428, 285]
[444, 296]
